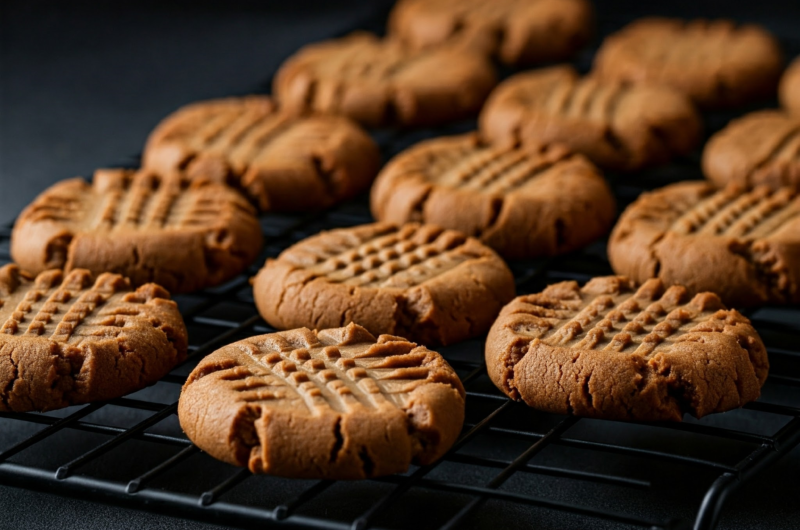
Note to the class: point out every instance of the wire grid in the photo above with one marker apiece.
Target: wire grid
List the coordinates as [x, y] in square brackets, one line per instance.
[221, 315]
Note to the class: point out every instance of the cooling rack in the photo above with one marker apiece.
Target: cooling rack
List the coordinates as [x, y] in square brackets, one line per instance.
[131, 451]
[512, 466]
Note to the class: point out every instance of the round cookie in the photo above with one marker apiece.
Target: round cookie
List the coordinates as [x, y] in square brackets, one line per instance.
[283, 162]
[71, 338]
[331, 404]
[789, 88]
[716, 63]
[182, 234]
[618, 126]
[523, 201]
[759, 148]
[384, 83]
[518, 33]
[742, 244]
[431, 285]
[609, 350]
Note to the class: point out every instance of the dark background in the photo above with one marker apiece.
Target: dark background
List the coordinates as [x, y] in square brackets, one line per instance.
[82, 84]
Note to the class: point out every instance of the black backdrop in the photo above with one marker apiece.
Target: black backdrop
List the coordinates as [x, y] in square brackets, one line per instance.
[82, 83]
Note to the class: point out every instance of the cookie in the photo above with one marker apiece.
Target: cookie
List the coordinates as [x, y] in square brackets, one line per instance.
[282, 162]
[71, 338]
[182, 234]
[760, 148]
[431, 285]
[612, 350]
[789, 88]
[618, 126]
[523, 201]
[384, 83]
[715, 62]
[742, 244]
[518, 33]
[333, 404]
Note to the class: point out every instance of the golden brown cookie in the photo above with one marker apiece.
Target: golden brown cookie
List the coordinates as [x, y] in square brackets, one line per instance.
[610, 350]
[431, 285]
[716, 63]
[382, 82]
[518, 32]
[332, 404]
[181, 234]
[760, 148]
[282, 162]
[789, 88]
[743, 245]
[523, 201]
[67, 339]
[618, 126]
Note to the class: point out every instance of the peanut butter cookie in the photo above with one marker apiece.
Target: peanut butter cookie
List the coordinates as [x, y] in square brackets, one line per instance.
[742, 244]
[523, 201]
[715, 62]
[612, 350]
[332, 404]
[383, 82]
[518, 32]
[282, 162]
[182, 234]
[759, 148]
[71, 338]
[617, 125]
[431, 285]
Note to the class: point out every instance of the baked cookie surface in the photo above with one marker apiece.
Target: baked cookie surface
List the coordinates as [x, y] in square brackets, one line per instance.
[332, 404]
[523, 201]
[745, 245]
[612, 350]
[789, 88]
[182, 234]
[716, 63]
[282, 162]
[759, 148]
[518, 33]
[618, 126]
[67, 339]
[431, 285]
[382, 82]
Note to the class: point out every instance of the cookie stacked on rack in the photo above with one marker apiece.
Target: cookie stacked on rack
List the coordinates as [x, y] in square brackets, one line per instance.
[347, 386]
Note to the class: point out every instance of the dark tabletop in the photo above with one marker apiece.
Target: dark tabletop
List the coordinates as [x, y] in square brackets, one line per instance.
[82, 83]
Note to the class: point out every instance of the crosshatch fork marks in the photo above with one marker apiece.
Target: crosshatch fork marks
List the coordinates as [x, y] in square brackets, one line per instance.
[328, 377]
[124, 200]
[492, 169]
[59, 308]
[585, 98]
[751, 215]
[644, 322]
[408, 255]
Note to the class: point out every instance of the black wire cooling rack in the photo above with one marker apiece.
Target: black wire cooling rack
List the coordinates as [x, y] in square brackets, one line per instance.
[131, 451]
[512, 466]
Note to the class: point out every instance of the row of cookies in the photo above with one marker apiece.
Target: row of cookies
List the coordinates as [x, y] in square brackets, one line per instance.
[432, 67]
[337, 403]
[340, 403]
[524, 200]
